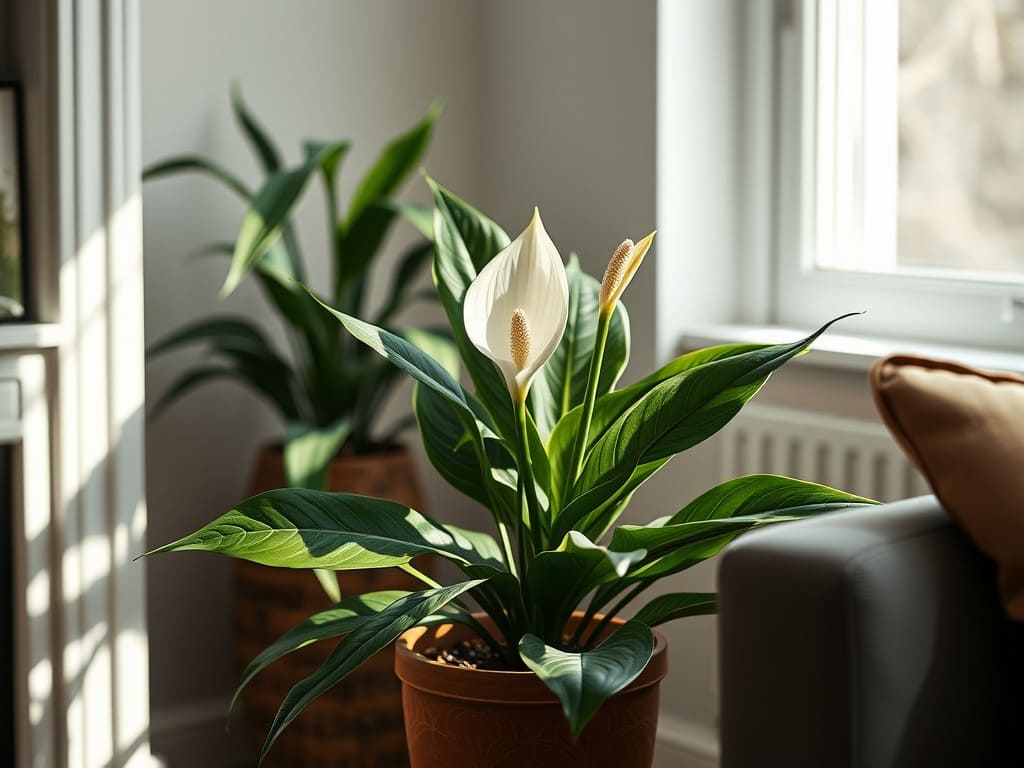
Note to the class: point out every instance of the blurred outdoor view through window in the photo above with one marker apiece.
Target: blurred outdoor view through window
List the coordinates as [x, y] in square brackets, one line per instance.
[10, 215]
[961, 135]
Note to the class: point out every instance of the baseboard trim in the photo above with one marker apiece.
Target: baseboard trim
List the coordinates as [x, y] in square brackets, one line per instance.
[688, 737]
[195, 715]
[193, 734]
[205, 719]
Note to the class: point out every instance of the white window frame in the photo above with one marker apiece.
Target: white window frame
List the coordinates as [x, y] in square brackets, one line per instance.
[961, 309]
[72, 395]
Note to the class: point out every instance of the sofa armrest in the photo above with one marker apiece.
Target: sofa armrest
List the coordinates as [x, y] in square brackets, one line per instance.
[871, 638]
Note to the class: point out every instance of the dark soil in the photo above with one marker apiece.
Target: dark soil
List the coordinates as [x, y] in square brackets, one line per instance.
[470, 654]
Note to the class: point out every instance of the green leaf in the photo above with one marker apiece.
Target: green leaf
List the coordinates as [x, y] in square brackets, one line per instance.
[337, 620]
[270, 211]
[301, 528]
[677, 605]
[612, 405]
[197, 164]
[277, 273]
[404, 355]
[558, 579]
[452, 449]
[477, 238]
[395, 163]
[191, 379]
[248, 352]
[420, 217]
[373, 634]
[674, 415]
[330, 154]
[658, 538]
[769, 495]
[223, 332]
[465, 240]
[436, 345]
[562, 382]
[409, 267]
[308, 452]
[704, 526]
[261, 144]
[358, 243]
[583, 681]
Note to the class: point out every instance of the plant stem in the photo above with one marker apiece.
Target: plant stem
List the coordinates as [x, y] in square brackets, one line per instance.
[501, 524]
[506, 546]
[606, 619]
[596, 603]
[593, 378]
[417, 574]
[526, 481]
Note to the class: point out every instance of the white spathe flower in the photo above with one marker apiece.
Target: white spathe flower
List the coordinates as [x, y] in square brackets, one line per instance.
[516, 309]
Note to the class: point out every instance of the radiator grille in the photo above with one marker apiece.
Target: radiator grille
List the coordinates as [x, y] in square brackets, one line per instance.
[856, 456]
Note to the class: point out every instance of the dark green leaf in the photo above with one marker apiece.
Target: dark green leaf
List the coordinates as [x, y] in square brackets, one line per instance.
[261, 144]
[677, 414]
[465, 240]
[197, 164]
[393, 166]
[677, 605]
[329, 154]
[558, 579]
[410, 266]
[224, 332]
[249, 354]
[300, 528]
[191, 379]
[337, 620]
[373, 634]
[404, 355]
[583, 681]
[766, 495]
[269, 213]
[308, 452]
[419, 216]
[611, 406]
[359, 242]
[455, 452]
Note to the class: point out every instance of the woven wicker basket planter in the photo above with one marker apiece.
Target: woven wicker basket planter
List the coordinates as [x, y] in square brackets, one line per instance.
[357, 724]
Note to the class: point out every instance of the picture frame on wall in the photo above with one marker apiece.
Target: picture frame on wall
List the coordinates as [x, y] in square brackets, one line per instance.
[12, 206]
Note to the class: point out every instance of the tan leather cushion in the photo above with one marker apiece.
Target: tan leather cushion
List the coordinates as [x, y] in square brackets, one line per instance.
[964, 429]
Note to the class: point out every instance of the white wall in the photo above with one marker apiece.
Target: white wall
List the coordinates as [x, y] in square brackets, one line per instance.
[316, 68]
[570, 127]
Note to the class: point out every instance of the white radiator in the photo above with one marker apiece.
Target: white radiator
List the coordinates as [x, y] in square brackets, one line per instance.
[855, 456]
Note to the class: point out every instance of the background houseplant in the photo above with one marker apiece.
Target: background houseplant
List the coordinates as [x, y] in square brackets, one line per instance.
[554, 451]
[327, 389]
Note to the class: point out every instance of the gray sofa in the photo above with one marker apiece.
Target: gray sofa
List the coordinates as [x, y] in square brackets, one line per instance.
[867, 639]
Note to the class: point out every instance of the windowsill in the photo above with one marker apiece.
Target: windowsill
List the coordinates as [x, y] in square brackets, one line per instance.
[16, 337]
[851, 353]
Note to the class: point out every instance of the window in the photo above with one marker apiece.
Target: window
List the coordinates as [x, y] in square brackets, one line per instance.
[900, 167]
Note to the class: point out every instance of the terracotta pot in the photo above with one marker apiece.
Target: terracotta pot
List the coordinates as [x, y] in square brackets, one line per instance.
[468, 718]
[358, 723]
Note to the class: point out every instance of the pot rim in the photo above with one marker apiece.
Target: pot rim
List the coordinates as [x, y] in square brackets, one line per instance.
[496, 686]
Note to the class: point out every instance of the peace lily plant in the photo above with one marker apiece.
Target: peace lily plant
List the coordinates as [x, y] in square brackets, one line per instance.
[553, 450]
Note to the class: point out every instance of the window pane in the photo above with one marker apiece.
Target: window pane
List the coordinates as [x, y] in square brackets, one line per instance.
[11, 242]
[961, 142]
